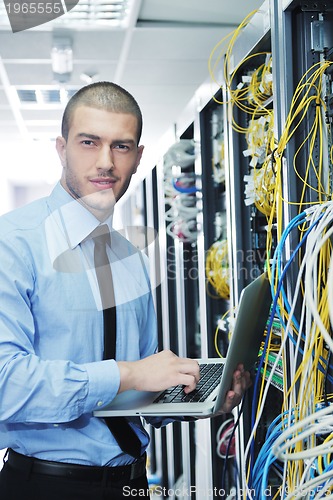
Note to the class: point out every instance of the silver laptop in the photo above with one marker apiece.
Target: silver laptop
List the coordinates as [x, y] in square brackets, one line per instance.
[215, 373]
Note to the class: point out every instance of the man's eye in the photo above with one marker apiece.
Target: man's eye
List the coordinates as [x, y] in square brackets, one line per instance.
[122, 146]
[87, 142]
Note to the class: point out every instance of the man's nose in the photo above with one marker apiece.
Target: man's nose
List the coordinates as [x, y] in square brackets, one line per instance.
[105, 158]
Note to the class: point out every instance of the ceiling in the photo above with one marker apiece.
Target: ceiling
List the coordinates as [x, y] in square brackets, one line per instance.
[161, 58]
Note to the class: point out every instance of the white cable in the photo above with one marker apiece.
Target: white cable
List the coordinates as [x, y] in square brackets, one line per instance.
[299, 493]
[310, 300]
[280, 445]
[323, 491]
[307, 469]
[312, 250]
[224, 438]
[283, 342]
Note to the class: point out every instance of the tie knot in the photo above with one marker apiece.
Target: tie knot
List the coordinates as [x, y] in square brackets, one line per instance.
[101, 235]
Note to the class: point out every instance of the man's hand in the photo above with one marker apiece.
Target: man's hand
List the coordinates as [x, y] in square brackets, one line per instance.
[241, 382]
[165, 369]
[159, 372]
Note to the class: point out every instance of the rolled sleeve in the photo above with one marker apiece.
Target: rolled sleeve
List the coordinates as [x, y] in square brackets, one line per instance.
[103, 383]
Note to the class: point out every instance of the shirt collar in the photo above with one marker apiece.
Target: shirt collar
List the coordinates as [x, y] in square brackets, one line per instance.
[77, 220]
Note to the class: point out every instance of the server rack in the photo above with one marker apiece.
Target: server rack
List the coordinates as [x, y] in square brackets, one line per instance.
[212, 124]
[252, 51]
[297, 34]
[307, 162]
[174, 442]
[300, 38]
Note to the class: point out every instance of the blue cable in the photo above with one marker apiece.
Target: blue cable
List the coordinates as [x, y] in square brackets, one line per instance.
[273, 432]
[277, 256]
[271, 318]
[265, 458]
[183, 189]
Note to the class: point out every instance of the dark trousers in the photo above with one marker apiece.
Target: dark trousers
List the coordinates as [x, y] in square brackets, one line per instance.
[16, 484]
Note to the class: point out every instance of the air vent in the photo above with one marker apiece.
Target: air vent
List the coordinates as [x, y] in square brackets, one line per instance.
[42, 96]
[50, 95]
[27, 95]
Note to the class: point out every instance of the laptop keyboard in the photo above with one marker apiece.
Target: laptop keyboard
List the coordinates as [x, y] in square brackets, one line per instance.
[210, 375]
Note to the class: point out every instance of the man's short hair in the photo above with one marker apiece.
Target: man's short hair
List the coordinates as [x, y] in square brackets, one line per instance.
[102, 95]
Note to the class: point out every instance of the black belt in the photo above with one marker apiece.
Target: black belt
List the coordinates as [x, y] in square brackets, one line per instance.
[31, 465]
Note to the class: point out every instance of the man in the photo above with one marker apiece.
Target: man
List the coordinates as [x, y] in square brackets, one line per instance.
[53, 373]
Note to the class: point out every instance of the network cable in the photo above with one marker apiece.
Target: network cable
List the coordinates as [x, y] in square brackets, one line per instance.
[217, 268]
[306, 374]
[181, 185]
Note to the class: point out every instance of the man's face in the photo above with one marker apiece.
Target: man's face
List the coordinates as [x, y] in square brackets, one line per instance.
[99, 157]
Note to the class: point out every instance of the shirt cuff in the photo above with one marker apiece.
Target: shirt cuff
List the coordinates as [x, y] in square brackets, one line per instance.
[103, 383]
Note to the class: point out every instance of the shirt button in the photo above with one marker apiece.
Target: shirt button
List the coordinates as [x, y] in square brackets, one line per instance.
[100, 403]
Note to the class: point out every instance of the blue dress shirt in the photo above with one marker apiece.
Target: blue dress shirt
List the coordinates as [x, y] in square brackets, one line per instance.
[52, 373]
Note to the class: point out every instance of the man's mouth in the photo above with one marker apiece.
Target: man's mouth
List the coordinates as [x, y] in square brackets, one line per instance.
[103, 183]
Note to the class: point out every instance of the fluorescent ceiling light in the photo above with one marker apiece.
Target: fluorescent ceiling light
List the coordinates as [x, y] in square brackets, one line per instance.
[88, 13]
[43, 96]
[114, 13]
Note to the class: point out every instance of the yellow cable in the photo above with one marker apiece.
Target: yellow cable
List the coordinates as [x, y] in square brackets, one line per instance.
[217, 268]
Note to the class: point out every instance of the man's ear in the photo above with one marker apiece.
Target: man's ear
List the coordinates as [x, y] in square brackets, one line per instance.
[138, 157]
[61, 149]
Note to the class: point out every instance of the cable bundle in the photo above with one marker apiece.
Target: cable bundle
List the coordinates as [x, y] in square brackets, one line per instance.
[307, 102]
[248, 95]
[306, 346]
[219, 167]
[181, 187]
[218, 148]
[260, 183]
[181, 154]
[233, 37]
[225, 439]
[261, 84]
[217, 268]
[259, 139]
[300, 442]
[251, 96]
[298, 447]
[260, 189]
